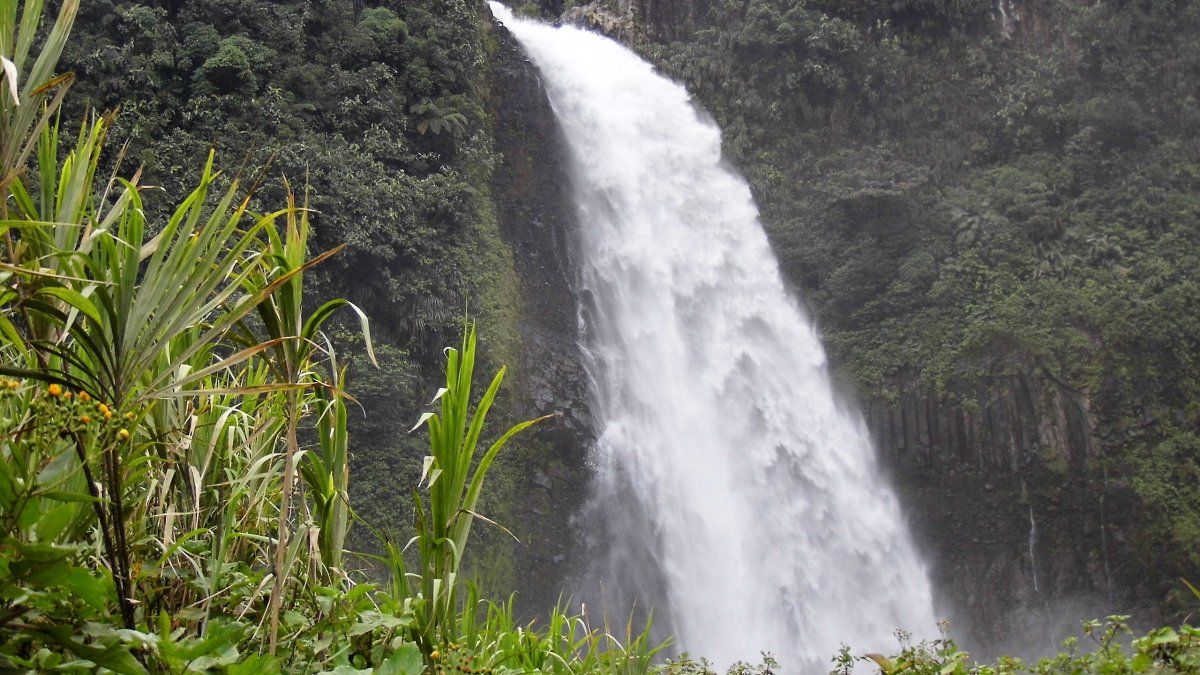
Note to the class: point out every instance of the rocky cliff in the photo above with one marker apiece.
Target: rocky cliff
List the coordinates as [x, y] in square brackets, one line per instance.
[1024, 534]
[531, 192]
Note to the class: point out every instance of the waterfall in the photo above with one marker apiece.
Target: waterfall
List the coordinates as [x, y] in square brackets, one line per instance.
[734, 492]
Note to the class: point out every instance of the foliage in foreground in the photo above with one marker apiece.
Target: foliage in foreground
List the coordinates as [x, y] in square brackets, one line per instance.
[1109, 648]
[174, 442]
[382, 107]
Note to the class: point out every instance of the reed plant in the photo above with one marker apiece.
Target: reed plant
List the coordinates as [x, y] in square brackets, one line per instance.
[453, 475]
[32, 91]
[291, 336]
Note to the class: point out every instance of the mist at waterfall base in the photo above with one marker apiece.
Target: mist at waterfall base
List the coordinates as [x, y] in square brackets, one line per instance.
[733, 493]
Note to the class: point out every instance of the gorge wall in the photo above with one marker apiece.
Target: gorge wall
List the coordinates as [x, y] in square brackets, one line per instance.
[531, 189]
[1024, 534]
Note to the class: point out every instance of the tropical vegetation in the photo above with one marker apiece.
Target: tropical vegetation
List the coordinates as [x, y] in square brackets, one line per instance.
[378, 109]
[179, 408]
[174, 434]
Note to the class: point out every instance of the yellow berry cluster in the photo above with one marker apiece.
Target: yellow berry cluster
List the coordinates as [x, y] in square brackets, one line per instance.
[83, 411]
[10, 389]
[455, 659]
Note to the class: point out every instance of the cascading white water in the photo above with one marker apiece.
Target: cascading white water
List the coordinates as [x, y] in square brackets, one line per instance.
[738, 491]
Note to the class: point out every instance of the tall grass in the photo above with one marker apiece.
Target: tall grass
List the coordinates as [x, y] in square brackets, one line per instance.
[31, 91]
[566, 643]
[292, 340]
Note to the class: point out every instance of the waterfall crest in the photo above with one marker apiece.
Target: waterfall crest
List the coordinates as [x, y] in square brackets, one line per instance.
[735, 492]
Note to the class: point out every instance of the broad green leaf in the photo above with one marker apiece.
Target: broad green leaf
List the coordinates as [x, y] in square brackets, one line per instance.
[93, 590]
[406, 660]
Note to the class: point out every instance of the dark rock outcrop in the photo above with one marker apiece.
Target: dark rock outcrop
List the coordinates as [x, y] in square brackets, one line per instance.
[531, 190]
[1023, 533]
[626, 20]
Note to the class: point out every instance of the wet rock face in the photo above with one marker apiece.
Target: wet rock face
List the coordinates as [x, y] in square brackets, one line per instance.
[613, 22]
[1023, 533]
[531, 190]
[627, 20]
[532, 193]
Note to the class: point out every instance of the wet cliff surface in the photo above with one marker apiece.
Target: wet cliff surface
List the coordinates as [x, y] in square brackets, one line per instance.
[531, 191]
[1024, 535]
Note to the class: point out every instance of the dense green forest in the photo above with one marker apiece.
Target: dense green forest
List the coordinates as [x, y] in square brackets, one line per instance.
[960, 195]
[955, 201]
[379, 110]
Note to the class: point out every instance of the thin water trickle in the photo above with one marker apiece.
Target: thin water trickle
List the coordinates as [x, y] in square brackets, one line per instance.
[735, 492]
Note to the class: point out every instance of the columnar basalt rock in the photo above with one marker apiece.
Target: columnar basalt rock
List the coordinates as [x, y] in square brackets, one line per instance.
[1003, 487]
